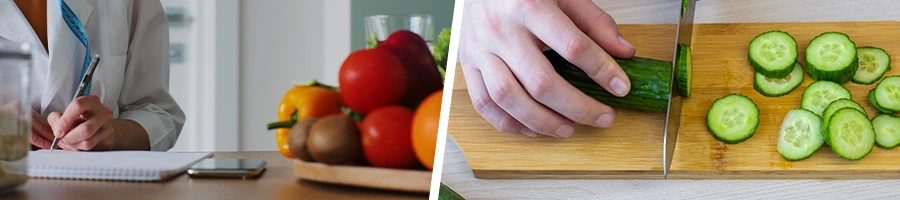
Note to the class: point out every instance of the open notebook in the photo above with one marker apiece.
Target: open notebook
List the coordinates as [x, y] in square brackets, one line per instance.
[113, 165]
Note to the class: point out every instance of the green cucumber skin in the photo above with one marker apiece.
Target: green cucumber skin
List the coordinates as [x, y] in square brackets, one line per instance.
[883, 109]
[874, 102]
[839, 76]
[650, 82]
[725, 140]
[833, 147]
[684, 67]
[759, 89]
[880, 76]
[773, 73]
[826, 117]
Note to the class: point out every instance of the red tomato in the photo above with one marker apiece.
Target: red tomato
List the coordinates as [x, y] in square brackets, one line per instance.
[386, 138]
[422, 76]
[371, 78]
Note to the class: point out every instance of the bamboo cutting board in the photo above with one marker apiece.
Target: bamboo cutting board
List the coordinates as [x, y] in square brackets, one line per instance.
[720, 67]
[632, 148]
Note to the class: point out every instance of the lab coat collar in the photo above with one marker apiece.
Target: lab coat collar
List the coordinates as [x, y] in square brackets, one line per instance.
[14, 26]
[64, 46]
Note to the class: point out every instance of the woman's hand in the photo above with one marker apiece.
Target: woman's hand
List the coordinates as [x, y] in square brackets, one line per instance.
[512, 84]
[41, 133]
[84, 125]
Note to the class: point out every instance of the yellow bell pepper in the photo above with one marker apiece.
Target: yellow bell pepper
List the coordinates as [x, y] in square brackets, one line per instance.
[313, 100]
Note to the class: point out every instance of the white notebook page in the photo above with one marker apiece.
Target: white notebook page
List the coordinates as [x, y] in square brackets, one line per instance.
[112, 165]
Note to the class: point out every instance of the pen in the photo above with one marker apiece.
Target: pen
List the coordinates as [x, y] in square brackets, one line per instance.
[81, 88]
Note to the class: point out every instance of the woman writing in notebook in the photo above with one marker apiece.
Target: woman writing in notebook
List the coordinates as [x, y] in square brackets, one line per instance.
[127, 105]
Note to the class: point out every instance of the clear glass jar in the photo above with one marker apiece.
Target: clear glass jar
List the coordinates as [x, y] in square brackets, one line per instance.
[15, 114]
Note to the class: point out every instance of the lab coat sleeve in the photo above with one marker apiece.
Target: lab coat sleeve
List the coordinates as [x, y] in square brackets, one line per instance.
[145, 96]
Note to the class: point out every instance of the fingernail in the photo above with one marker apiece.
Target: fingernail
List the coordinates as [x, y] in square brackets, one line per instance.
[528, 132]
[565, 131]
[605, 121]
[619, 86]
[625, 42]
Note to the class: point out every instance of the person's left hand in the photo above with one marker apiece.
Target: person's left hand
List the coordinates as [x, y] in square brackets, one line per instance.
[84, 125]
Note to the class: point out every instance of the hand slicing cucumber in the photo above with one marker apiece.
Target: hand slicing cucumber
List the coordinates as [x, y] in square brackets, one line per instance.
[873, 63]
[649, 82]
[887, 130]
[851, 133]
[834, 107]
[773, 53]
[831, 56]
[819, 94]
[800, 135]
[874, 102]
[733, 118]
[887, 94]
[684, 70]
[775, 87]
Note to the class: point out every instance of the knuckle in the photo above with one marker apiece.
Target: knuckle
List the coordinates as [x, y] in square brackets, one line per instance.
[575, 47]
[508, 125]
[529, 6]
[481, 103]
[540, 88]
[500, 94]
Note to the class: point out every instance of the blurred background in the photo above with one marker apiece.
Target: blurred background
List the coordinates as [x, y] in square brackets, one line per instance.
[232, 60]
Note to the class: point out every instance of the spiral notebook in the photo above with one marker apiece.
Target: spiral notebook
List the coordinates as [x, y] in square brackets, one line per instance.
[113, 165]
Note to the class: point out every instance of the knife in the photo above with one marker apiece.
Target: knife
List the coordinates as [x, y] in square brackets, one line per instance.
[673, 115]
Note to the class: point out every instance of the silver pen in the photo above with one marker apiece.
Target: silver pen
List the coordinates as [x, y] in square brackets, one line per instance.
[81, 88]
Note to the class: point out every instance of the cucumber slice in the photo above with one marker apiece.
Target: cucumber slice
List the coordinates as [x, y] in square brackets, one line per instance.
[887, 93]
[831, 56]
[800, 135]
[732, 118]
[776, 87]
[874, 102]
[873, 63]
[834, 107]
[819, 94]
[887, 130]
[684, 70]
[773, 53]
[851, 133]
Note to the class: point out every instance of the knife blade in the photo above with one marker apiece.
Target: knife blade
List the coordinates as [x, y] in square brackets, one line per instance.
[673, 114]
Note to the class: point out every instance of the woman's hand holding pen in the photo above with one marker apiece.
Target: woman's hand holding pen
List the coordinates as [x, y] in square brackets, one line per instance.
[85, 125]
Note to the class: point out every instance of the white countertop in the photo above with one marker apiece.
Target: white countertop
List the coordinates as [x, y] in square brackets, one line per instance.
[458, 176]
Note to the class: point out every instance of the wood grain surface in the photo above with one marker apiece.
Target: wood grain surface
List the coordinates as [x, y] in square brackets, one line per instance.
[720, 67]
[632, 148]
[417, 181]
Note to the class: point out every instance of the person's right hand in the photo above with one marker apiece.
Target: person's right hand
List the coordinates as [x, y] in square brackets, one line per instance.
[512, 84]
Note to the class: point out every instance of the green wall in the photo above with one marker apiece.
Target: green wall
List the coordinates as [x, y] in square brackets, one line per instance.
[440, 10]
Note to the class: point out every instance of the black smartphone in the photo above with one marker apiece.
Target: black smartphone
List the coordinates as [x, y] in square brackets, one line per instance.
[227, 168]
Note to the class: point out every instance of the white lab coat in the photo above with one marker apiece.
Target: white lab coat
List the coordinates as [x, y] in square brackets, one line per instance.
[132, 78]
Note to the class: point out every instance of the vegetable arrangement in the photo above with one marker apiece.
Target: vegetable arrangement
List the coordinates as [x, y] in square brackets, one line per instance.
[384, 112]
[828, 114]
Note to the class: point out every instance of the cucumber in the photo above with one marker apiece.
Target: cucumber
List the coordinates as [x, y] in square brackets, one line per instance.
[874, 103]
[819, 94]
[887, 93]
[800, 135]
[776, 87]
[684, 70]
[887, 130]
[831, 56]
[851, 133]
[834, 107]
[873, 63]
[732, 118]
[650, 84]
[773, 53]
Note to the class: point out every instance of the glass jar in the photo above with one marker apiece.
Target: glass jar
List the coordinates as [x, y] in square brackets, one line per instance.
[15, 114]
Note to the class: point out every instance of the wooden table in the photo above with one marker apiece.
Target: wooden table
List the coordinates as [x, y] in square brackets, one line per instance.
[457, 175]
[278, 182]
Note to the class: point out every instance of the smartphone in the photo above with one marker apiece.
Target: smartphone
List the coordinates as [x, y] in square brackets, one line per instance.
[227, 168]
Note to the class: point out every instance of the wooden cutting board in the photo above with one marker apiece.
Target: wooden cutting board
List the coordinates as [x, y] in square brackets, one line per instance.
[632, 148]
[720, 67]
[417, 181]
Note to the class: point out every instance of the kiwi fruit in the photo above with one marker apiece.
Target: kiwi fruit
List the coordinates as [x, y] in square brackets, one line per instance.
[297, 139]
[334, 140]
